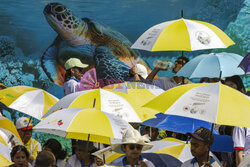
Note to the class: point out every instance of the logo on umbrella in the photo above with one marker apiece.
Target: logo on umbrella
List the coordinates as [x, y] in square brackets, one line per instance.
[60, 122]
[203, 37]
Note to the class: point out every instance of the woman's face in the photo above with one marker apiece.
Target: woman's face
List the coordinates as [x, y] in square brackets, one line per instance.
[81, 154]
[231, 84]
[20, 159]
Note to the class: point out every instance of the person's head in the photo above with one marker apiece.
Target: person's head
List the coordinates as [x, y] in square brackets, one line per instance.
[55, 147]
[179, 63]
[132, 144]
[24, 127]
[75, 68]
[201, 141]
[20, 156]
[151, 132]
[45, 159]
[209, 80]
[84, 149]
[236, 83]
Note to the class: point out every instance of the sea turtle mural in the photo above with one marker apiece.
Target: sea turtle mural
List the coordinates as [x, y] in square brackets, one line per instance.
[93, 43]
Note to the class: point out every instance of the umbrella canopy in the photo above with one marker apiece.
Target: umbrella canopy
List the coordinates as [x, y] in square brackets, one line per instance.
[245, 63]
[31, 101]
[182, 34]
[212, 102]
[8, 128]
[135, 87]
[126, 106]
[5, 159]
[213, 65]
[84, 124]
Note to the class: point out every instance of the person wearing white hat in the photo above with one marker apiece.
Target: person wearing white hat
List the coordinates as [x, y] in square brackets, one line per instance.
[74, 71]
[24, 127]
[132, 145]
[138, 73]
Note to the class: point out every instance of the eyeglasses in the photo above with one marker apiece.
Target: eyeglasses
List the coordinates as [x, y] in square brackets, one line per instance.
[132, 147]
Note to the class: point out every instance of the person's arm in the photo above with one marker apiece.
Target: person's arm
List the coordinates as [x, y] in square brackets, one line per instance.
[155, 71]
[239, 156]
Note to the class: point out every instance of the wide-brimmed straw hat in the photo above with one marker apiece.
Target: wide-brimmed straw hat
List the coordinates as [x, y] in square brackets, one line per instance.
[132, 136]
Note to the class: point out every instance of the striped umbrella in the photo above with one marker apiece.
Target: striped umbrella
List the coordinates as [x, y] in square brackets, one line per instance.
[31, 101]
[84, 124]
[5, 159]
[126, 106]
[184, 35]
[211, 102]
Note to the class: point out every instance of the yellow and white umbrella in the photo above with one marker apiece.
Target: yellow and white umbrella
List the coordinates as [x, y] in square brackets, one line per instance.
[171, 146]
[5, 159]
[184, 35]
[8, 131]
[31, 101]
[126, 106]
[84, 124]
[136, 88]
[212, 102]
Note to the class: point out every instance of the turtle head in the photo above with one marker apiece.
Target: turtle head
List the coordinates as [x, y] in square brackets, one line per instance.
[64, 22]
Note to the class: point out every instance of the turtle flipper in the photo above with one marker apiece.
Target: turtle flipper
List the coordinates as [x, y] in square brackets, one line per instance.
[108, 67]
[50, 64]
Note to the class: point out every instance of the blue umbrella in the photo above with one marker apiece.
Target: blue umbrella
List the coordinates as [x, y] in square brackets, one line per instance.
[213, 65]
[245, 63]
[222, 143]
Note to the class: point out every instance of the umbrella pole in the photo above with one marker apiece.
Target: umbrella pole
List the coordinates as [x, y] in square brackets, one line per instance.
[103, 157]
[86, 151]
[212, 128]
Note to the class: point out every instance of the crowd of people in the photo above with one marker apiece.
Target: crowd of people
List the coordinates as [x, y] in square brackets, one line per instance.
[135, 141]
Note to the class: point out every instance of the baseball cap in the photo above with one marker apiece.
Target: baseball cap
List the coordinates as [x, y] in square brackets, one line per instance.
[203, 134]
[142, 70]
[24, 123]
[74, 62]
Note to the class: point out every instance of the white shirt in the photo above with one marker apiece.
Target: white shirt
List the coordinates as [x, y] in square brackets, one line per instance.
[74, 162]
[194, 163]
[241, 138]
[71, 86]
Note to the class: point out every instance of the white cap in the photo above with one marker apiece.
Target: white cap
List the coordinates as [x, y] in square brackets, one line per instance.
[142, 71]
[74, 62]
[24, 123]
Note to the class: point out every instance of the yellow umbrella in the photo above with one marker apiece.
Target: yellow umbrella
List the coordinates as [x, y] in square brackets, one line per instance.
[5, 159]
[171, 146]
[84, 124]
[184, 35]
[31, 101]
[2, 86]
[9, 129]
[212, 102]
[126, 106]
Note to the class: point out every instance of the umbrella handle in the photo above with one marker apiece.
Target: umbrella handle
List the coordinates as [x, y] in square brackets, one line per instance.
[212, 127]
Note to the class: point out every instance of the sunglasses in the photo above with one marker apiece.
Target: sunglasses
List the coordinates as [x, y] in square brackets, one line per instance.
[132, 147]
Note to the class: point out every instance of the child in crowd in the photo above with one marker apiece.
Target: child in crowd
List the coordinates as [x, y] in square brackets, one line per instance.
[55, 147]
[46, 159]
[20, 156]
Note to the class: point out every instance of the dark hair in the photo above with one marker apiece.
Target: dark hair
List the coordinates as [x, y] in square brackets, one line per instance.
[56, 148]
[19, 148]
[238, 81]
[184, 58]
[44, 159]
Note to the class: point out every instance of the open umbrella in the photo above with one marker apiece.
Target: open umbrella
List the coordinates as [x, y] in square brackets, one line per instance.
[168, 146]
[245, 63]
[31, 101]
[184, 35]
[5, 159]
[213, 65]
[126, 106]
[211, 102]
[84, 124]
[8, 128]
